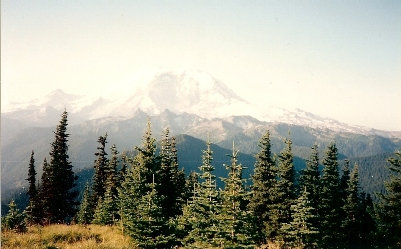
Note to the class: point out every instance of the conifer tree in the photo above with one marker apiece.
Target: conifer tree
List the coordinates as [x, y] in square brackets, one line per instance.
[235, 224]
[301, 231]
[32, 191]
[264, 180]
[33, 210]
[389, 206]
[99, 178]
[85, 213]
[58, 188]
[351, 223]
[285, 193]
[199, 220]
[310, 180]
[14, 220]
[330, 202]
[172, 180]
[344, 180]
[106, 209]
[152, 227]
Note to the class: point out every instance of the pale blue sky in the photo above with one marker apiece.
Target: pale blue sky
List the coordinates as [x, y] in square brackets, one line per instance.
[340, 59]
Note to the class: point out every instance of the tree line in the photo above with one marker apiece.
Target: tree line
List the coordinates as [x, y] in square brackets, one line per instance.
[151, 199]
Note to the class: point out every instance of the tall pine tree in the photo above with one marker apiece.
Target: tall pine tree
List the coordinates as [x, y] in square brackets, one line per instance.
[235, 221]
[60, 200]
[389, 206]
[99, 177]
[330, 201]
[33, 210]
[264, 180]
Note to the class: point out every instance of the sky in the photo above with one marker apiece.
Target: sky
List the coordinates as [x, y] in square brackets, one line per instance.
[338, 59]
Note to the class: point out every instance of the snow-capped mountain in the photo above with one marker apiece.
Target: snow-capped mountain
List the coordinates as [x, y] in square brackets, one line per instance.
[185, 91]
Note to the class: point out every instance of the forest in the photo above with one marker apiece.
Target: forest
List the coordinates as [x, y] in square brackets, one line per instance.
[148, 196]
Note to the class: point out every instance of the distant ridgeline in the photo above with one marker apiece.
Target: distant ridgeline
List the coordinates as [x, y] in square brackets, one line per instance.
[184, 192]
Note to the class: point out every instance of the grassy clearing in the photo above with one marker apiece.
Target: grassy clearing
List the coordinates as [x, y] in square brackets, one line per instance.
[67, 237]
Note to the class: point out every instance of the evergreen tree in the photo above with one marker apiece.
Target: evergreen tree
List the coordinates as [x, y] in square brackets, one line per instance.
[85, 213]
[310, 181]
[14, 220]
[106, 209]
[32, 191]
[351, 223]
[151, 227]
[330, 202]
[285, 193]
[199, 222]
[172, 180]
[190, 183]
[344, 181]
[301, 231]
[389, 207]
[100, 176]
[235, 224]
[264, 180]
[33, 210]
[58, 189]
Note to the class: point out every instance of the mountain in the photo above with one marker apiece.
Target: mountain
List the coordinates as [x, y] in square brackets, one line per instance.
[191, 103]
[185, 91]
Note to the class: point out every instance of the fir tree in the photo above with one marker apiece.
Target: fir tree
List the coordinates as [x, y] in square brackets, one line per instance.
[33, 210]
[285, 194]
[199, 220]
[85, 213]
[264, 179]
[235, 224]
[32, 191]
[106, 209]
[351, 223]
[14, 220]
[310, 181]
[99, 177]
[58, 189]
[172, 180]
[389, 206]
[152, 227]
[330, 202]
[301, 231]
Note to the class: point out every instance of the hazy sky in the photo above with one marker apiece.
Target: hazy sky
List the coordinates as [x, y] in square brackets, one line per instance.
[340, 59]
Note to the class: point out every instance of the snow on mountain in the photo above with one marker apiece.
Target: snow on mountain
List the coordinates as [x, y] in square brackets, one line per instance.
[182, 91]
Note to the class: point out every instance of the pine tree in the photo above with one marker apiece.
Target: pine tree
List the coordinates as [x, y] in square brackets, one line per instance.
[32, 191]
[285, 190]
[14, 220]
[264, 180]
[85, 213]
[33, 210]
[152, 227]
[310, 180]
[199, 220]
[351, 222]
[99, 177]
[172, 180]
[389, 206]
[58, 189]
[330, 202]
[235, 221]
[301, 230]
[106, 209]
[344, 180]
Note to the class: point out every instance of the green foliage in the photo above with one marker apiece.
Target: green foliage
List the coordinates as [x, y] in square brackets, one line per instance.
[106, 210]
[235, 223]
[100, 176]
[264, 180]
[389, 206]
[58, 180]
[33, 211]
[85, 213]
[300, 232]
[199, 222]
[330, 202]
[14, 220]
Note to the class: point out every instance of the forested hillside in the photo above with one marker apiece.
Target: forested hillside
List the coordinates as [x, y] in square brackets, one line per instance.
[146, 193]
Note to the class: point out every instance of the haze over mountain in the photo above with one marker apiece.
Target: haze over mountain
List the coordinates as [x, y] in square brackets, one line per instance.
[183, 91]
